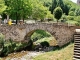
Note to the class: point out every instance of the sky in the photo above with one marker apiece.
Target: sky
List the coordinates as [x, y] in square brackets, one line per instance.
[74, 1]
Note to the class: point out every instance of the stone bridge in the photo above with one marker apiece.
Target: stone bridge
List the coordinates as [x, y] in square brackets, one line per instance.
[62, 32]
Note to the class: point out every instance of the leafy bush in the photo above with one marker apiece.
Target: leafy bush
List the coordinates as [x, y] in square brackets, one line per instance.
[58, 13]
[71, 13]
[11, 46]
[1, 42]
[38, 34]
[78, 20]
[77, 12]
[70, 17]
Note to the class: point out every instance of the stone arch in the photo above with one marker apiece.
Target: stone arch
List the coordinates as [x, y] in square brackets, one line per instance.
[28, 35]
[31, 32]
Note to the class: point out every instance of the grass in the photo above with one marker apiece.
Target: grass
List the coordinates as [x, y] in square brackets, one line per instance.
[65, 53]
[39, 34]
[71, 22]
[51, 40]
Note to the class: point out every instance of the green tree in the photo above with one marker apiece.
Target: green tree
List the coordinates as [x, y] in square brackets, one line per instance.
[54, 5]
[58, 13]
[39, 11]
[2, 6]
[46, 3]
[60, 4]
[18, 8]
[66, 8]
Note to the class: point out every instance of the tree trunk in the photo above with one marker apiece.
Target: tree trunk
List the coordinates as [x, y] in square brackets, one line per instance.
[23, 18]
[57, 21]
[16, 18]
[7, 17]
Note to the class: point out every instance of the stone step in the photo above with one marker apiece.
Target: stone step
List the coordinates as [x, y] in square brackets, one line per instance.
[77, 51]
[77, 57]
[76, 40]
[77, 37]
[77, 34]
[76, 48]
[76, 43]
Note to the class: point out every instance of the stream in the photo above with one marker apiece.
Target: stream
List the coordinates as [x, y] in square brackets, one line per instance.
[23, 55]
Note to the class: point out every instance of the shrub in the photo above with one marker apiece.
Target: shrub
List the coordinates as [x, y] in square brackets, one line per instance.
[38, 34]
[44, 44]
[11, 46]
[58, 13]
[70, 17]
[71, 13]
[1, 42]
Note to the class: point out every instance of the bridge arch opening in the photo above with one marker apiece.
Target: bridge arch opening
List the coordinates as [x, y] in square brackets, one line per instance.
[41, 37]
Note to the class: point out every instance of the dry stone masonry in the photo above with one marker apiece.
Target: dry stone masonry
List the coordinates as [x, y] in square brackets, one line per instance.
[62, 32]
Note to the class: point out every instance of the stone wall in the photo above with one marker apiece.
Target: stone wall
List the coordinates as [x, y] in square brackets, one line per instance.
[61, 32]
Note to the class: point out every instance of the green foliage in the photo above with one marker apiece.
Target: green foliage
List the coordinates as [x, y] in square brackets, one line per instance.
[43, 37]
[64, 17]
[1, 42]
[20, 9]
[71, 13]
[78, 20]
[49, 15]
[38, 11]
[38, 34]
[70, 17]
[71, 22]
[58, 13]
[61, 3]
[10, 46]
[46, 3]
[72, 9]
[54, 3]
[2, 6]
[47, 39]
[77, 12]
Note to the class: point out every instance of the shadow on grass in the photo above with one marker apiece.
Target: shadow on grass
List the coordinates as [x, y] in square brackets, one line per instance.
[59, 48]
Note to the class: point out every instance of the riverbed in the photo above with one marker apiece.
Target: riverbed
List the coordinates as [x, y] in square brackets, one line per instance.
[23, 55]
